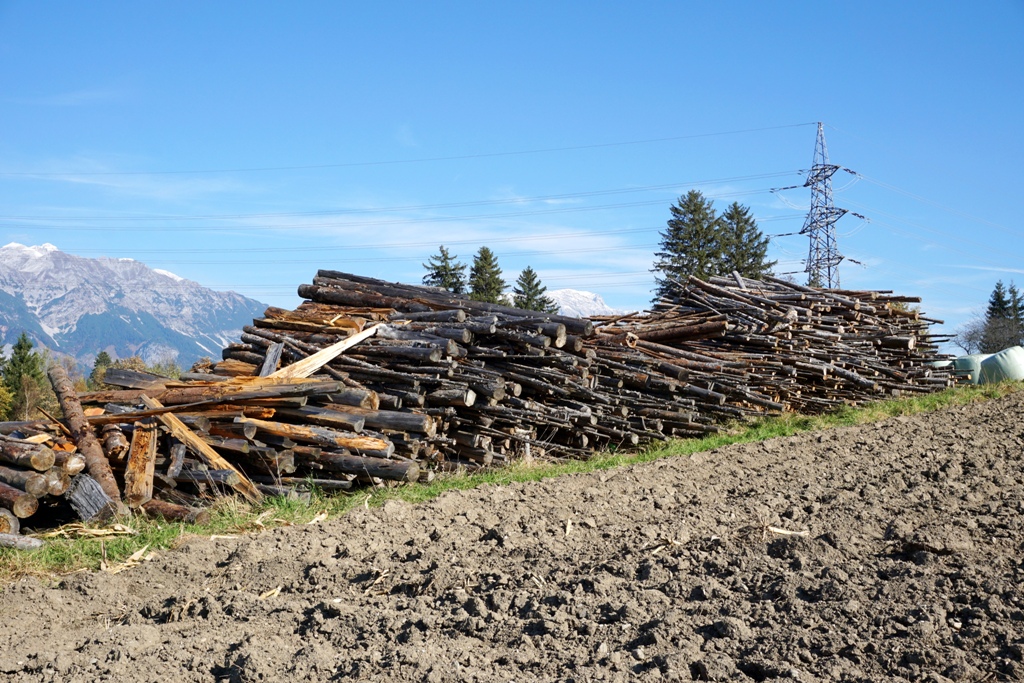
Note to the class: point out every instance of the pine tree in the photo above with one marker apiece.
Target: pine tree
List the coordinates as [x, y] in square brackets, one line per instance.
[690, 245]
[745, 247]
[528, 293]
[445, 272]
[1016, 306]
[485, 283]
[998, 303]
[1002, 327]
[25, 378]
[99, 367]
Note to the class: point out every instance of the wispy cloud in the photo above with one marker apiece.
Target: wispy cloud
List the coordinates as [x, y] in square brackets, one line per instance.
[992, 269]
[158, 187]
[109, 175]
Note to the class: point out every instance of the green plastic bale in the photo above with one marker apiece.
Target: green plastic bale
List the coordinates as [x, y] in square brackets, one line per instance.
[969, 367]
[1006, 365]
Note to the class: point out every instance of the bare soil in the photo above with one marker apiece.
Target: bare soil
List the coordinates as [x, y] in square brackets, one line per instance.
[676, 570]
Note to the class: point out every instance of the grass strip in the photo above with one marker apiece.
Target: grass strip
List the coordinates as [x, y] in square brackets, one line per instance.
[231, 516]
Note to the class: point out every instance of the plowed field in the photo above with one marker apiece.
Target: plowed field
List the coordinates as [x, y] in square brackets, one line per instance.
[911, 568]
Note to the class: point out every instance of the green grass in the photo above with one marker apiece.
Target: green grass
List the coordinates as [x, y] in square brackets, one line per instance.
[231, 516]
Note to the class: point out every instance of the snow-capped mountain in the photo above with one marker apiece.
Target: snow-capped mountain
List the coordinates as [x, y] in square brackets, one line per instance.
[80, 306]
[580, 304]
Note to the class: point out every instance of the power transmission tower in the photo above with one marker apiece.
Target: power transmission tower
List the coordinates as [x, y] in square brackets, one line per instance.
[820, 226]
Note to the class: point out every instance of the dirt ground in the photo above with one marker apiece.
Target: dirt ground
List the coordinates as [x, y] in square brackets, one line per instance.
[912, 569]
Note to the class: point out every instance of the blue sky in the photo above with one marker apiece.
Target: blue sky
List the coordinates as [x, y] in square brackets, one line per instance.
[246, 145]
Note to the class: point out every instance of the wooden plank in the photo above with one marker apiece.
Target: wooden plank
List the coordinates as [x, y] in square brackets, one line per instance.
[138, 475]
[211, 457]
[308, 366]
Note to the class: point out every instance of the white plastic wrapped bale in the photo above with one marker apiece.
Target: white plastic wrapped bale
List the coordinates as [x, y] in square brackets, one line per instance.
[1006, 365]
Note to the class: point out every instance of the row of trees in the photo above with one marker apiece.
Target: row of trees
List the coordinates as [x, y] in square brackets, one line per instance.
[697, 241]
[1001, 327]
[485, 282]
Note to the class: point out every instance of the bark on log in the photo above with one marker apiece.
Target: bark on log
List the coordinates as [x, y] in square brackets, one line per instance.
[20, 542]
[322, 436]
[394, 470]
[83, 436]
[115, 444]
[72, 464]
[31, 482]
[26, 455]
[17, 501]
[90, 501]
[173, 512]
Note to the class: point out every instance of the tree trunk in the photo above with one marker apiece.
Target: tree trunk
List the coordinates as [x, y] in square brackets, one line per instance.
[82, 434]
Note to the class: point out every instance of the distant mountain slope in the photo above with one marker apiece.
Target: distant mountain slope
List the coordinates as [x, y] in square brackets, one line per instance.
[80, 306]
[580, 304]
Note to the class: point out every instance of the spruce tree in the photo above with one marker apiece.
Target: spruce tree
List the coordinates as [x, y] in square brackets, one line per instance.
[998, 302]
[1016, 306]
[690, 245]
[99, 367]
[528, 293]
[445, 272]
[485, 283]
[25, 378]
[744, 246]
[1002, 328]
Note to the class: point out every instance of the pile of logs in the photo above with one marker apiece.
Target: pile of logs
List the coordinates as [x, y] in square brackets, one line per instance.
[369, 381]
[783, 346]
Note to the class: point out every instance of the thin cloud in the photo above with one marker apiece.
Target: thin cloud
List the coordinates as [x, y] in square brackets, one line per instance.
[992, 269]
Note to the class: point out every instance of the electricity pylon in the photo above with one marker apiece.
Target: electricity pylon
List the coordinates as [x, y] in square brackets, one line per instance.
[820, 226]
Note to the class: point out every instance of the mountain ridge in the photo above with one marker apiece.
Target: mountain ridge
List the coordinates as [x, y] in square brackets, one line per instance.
[79, 306]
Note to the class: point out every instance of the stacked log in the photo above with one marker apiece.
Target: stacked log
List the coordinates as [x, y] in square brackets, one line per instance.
[368, 382]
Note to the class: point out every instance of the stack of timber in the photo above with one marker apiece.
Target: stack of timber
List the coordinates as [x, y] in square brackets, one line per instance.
[368, 382]
[783, 346]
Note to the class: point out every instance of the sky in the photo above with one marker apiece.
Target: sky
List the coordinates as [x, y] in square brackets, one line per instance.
[245, 145]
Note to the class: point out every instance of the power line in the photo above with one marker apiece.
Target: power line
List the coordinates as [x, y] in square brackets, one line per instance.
[355, 164]
[414, 207]
[409, 245]
[370, 224]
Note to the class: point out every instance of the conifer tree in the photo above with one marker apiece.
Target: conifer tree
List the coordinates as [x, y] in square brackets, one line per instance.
[528, 293]
[701, 243]
[745, 247]
[24, 377]
[690, 245]
[99, 367]
[1002, 327]
[444, 271]
[1016, 306]
[485, 283]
